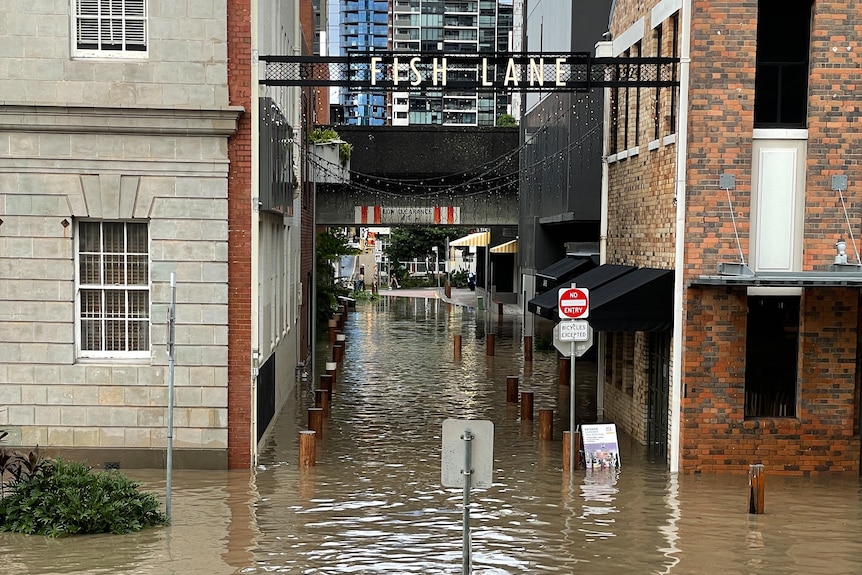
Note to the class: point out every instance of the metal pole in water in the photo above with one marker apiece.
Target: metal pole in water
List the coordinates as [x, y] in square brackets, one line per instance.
[172, 315]
[468, 474]
[572, 411]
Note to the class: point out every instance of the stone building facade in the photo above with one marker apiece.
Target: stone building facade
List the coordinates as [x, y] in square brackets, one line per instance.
[743, 181]
[127, 155]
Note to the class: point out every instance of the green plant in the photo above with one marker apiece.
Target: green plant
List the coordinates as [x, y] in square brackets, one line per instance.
[506, 121]
[323, 135]
[60, 498]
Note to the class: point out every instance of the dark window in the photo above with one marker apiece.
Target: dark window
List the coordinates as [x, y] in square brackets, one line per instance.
[657, 113]
[772, 344]
[781, 84]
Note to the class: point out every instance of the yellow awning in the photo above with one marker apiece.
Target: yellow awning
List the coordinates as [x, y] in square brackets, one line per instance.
[477, 239]
[507, 248]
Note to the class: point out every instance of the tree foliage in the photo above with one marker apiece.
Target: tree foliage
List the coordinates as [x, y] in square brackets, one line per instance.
[417, 242]
[331, 246]
[506, 121]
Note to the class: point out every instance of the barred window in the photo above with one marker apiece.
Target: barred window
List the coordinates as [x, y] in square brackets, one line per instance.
[110, 28]
[113, 289]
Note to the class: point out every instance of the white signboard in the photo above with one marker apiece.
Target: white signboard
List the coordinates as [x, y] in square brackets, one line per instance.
[454, 452]
[575, 330]
[565, 347]
[573, 303]
[601, 449]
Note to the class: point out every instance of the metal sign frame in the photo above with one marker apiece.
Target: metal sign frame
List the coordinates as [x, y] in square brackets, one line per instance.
[389, 71]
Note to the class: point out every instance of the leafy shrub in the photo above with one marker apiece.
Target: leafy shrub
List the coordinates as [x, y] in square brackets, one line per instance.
[60, 498]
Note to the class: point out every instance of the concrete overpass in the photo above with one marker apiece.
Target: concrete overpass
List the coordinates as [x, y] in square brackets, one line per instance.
[421, 175]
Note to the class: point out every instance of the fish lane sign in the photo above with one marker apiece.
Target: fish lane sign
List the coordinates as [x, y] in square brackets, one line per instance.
[574, 303]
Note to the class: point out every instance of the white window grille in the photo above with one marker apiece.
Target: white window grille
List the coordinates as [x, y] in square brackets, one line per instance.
[110, 28]
[113, 289]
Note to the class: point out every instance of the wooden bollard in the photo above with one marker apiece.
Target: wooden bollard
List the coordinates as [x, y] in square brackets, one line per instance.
[307, 448]
[321, 400]
[457, 347]
[332, 369]
[756, 488]
[339, 321]
[315, 420]
[528, 348]
[489, 343]
[546, 424]
[567, 446]
[500, 309]
[333, 329]
[342, 339]
[326, 383]
[337, 352]
[563, 370]
[526, 406]
[512, 389]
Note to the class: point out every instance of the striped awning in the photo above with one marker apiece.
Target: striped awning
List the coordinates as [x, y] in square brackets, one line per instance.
[507, 248]
[477, 239]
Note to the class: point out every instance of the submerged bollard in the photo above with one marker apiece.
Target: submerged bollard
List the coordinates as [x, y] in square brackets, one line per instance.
[546, 424]
[528, 348]
[337, 352]
[326, 383]
[321, 400]
[315, 420]
[526, 406]
[490, 339]
[567, 446]
[307, 448]
[332, 369]
[457, 346]
[563, 370]
[512, 389]
[333, 330]
[756, 488]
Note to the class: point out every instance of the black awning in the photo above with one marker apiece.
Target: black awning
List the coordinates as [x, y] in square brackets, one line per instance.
[545, 304]
[638, 301]
[563, 270]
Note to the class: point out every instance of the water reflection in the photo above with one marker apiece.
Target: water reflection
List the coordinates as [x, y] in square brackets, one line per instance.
[374, 503]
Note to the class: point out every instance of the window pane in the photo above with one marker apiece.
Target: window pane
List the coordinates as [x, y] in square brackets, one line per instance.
[139, 304]
[89, 237]
[91, 335]
[91, 303]
[115, 270]
[137, 239]
[115, 335]
[138, 271]
[115, 241]
[139, 336]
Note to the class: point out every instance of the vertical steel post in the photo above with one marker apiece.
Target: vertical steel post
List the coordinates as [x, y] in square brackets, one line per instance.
[468, 475]
[572, 446]
[169, 465]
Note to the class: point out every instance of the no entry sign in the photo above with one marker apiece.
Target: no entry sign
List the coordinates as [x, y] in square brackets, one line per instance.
[574, 303]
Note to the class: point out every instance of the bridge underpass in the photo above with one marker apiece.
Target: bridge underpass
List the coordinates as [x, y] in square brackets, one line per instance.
[420, 175]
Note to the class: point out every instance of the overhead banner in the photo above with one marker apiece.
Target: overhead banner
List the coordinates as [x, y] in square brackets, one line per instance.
[395, 215]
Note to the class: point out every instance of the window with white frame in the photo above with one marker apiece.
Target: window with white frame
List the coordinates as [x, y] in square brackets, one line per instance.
[109, 28]
[113, 286]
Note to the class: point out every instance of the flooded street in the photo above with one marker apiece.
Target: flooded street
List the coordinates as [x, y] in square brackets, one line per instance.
[374, 503]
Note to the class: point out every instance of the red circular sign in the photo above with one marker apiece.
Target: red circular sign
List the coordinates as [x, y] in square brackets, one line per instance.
[574, 303]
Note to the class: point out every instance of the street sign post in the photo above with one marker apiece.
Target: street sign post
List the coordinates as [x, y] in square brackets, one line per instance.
[467, 460]
[573, 303]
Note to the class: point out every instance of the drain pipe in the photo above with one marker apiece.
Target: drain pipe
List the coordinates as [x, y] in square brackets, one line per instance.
[679, 265]
[604, 49]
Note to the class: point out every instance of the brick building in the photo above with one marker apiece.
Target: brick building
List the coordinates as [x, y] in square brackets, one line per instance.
[135, 143]
[743, 181]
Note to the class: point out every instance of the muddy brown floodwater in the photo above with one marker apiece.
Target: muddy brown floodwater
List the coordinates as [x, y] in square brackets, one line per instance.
[374, 503]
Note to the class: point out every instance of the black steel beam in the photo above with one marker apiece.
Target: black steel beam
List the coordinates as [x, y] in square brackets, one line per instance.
[518, 72]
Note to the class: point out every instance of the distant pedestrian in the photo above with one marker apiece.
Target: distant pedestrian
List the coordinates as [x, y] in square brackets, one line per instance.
[393, 281]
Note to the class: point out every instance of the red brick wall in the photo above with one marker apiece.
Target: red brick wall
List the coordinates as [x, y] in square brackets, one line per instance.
[716, 437]
[240, 439]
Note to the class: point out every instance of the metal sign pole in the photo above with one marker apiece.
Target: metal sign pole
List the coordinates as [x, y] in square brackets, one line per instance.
[572, 412]
[468, 474]
[172, 315]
